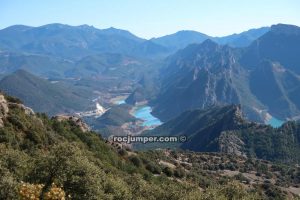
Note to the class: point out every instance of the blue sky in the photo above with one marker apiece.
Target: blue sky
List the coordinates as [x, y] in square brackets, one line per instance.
[153, 18]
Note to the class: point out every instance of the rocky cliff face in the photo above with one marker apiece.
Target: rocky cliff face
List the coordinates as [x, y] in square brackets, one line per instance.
[5, 104]
[230, 143]
[261, 77]
[3, 109]
[201, 76]
[277, 87]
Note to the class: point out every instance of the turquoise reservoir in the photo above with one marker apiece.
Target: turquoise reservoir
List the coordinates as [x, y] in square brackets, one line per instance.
[119, 102]
[275, 123]
[144, 113]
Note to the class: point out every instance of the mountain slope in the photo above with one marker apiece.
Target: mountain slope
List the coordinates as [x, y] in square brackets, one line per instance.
[202, 127]
[200, 76]
[40, 65]
[223, 129]
[280, 44]
[263, 78]
[42, 95]
[276, 87]
[109, 65]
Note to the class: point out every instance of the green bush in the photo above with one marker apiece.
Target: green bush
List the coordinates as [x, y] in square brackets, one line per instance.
[153, 168]
[122, 152]
[136, 161]
[179, 173]
[168, 171]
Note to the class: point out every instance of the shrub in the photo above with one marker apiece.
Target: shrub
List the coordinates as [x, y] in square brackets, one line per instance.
[153, 168]
[122, 152]
[168, 171]
[8, 185]
[136, 161]
[179, 173]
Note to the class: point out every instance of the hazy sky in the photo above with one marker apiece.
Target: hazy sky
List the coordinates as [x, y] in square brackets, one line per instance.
[153, 18]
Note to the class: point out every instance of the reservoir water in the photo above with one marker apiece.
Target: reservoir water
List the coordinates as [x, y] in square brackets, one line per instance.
[144, 113]
[119, 102]
[275, 123]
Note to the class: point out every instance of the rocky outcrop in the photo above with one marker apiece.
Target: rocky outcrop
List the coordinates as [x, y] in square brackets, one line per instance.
[230, 143]
[3, 109]
[27, 110]
[78, 121]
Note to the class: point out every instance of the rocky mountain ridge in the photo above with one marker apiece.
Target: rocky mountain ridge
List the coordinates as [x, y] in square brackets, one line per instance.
[263, 76]
[224, 129]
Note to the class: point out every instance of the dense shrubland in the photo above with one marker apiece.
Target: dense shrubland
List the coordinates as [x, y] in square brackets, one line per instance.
[43, 158]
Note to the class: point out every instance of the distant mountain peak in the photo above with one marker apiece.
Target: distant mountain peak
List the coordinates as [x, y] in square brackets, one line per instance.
[285, 29]
[55, 26]
[181, 39]
[112, 29]
[190, 32]
[18, 28]
[86, 26]
[209, 44]
[121, 32]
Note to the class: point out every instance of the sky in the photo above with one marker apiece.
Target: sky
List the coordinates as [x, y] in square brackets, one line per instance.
[153, 18]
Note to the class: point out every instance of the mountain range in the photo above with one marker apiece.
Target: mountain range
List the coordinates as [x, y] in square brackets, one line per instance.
[181, 39]
[75, 42]
[263, 77]
[204, 73]
[209, 71]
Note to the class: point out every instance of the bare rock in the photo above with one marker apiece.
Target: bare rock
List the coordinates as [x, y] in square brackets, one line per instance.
[230, 143]
[78, 121]
[3, 109]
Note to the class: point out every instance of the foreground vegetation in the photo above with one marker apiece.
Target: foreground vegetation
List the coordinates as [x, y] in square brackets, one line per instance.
[43, 158]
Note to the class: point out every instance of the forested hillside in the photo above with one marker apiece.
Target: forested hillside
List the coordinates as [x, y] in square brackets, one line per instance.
[60, 158]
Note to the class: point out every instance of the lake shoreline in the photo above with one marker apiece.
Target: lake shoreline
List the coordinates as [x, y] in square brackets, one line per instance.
[143, 112]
